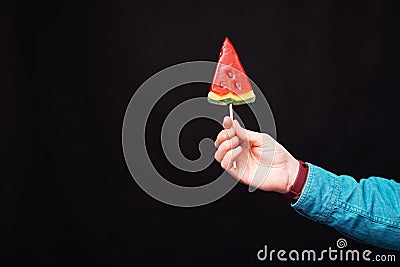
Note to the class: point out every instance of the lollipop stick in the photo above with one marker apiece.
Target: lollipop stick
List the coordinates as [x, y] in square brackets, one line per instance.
[231, 115]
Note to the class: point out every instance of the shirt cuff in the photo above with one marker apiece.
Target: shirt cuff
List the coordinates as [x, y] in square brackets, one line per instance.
[319, 195]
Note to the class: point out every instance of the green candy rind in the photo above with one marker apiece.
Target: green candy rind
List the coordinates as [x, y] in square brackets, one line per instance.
[228, 101]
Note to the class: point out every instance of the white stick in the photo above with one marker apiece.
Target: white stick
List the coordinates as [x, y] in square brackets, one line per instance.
[231, 115]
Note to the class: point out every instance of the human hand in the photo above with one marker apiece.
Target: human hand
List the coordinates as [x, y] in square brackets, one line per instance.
[261, 162]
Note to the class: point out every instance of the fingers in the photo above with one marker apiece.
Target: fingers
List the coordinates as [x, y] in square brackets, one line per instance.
[226, 146]
[224, 135]
[230, 157]
[233, 128]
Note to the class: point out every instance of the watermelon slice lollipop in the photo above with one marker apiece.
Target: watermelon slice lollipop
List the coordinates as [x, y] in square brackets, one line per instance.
[230, 84]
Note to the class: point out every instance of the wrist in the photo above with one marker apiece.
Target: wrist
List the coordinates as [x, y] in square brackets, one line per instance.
[293, 170]
[297, 175]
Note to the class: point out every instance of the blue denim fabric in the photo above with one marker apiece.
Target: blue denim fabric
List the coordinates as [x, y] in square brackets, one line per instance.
[368, 210]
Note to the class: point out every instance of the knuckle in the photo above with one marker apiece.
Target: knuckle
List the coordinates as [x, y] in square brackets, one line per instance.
[216, 156]
[266, 137]
[223, 164]
[225, 161]
[219, 155]
[222, 136]
[228, 157]
[225, 145]
[218, 139]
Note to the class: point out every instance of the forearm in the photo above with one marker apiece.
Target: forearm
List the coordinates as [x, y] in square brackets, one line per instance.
[368, 211]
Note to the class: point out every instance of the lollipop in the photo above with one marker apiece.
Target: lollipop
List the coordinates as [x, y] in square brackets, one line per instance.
[230, 84]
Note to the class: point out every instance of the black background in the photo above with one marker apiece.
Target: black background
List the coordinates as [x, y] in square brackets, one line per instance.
[68, 70]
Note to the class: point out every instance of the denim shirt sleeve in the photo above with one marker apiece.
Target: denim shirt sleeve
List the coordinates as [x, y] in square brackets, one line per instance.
[368, 210]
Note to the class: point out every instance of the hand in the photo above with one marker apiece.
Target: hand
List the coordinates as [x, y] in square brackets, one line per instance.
[261, 162]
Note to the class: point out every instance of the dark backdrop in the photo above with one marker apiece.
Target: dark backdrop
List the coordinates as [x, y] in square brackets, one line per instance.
[68, 70]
